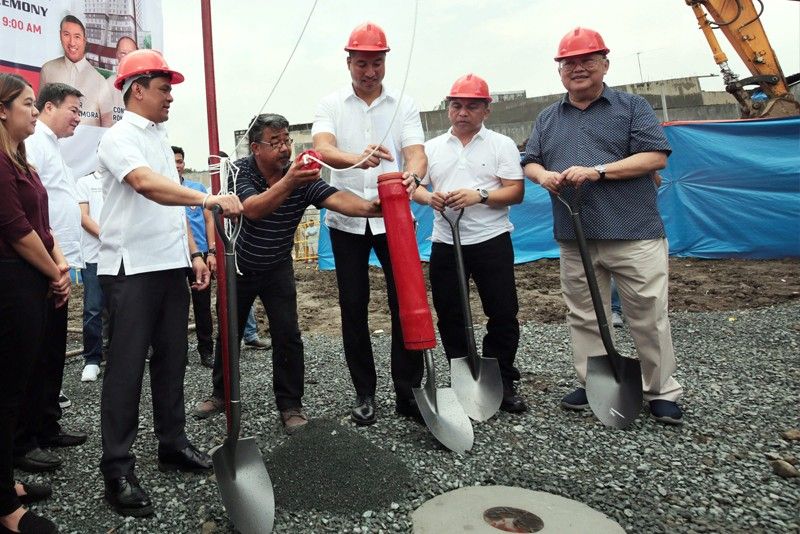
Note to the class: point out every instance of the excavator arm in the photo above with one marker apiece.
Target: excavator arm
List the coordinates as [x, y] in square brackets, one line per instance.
[741, 25]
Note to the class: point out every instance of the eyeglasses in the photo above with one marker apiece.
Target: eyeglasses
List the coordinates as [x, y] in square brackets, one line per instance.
[276, 145]
[590, 63]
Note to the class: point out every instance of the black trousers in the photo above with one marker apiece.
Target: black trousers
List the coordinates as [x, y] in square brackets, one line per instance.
[40, 412]
[23, 309]
[204, 326]
[144, 309]
[351, 253]
[278, 293]
[491, 266]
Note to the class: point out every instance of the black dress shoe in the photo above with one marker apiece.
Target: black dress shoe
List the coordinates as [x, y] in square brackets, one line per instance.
[188, 459]
[409, 408]
[363, 412]
[64, 438]
[127, 497]
[512, 403]
[31, 523]
[207, 359]
[37, 461]
[34, 493]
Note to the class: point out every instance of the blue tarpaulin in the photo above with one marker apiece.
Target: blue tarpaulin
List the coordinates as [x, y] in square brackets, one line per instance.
[731, 189]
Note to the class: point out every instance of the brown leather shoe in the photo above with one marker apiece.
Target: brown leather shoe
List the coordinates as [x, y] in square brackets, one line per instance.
[293, 420]
[207, 408]
[257, 343]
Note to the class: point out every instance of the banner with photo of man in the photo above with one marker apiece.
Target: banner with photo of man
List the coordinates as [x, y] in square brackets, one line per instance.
[80, 43]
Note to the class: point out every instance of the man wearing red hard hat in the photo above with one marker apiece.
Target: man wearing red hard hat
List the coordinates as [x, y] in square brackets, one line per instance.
[608, 143]
[477, 170]
[354, 132]
[145, 248]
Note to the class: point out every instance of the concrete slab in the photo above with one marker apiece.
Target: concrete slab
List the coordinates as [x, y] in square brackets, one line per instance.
[472, 509]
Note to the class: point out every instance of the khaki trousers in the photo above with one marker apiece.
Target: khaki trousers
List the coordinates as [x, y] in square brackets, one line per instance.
[640, 269]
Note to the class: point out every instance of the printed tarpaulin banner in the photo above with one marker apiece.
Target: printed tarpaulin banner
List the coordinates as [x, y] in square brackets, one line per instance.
[731, 189]
[80, 43]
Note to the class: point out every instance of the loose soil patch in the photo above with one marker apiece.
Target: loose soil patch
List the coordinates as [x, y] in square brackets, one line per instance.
[695, 285]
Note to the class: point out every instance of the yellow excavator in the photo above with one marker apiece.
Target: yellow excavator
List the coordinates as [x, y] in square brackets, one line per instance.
[740, 23]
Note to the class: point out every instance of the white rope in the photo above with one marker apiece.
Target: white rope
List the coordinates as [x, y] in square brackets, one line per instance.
[227, 168]
[396, 109]
[280, 76]
[229, 172]
[308, 157]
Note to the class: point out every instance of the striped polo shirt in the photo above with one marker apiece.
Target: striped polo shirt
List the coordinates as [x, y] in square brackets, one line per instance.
[266, 242]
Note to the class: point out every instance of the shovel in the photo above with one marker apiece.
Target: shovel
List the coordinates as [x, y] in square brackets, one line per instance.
[242, 478]
[440, 409]
[613, 382]
[443, 414]
[475, 379]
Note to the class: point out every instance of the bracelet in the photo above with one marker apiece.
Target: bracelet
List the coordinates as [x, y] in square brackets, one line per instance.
[417, 181]
[203, 204]
[194, 255]
[212, 250]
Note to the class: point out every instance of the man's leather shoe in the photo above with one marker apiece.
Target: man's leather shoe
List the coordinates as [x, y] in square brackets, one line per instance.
[207, 359]
[127, 497]
[364, 411]
[31, 523]
[512, 403]
[409, 408]
[64, 438]
[257, 343]
[37, 461]
[188, 459]
[34, 493]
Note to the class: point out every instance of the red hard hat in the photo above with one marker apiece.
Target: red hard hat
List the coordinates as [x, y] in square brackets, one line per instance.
[580, 41]
[367, 37]
[141, 62]
[470, 86]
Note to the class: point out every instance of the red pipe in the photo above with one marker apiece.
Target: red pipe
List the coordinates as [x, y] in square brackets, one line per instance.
[412, 297]
[213, 150]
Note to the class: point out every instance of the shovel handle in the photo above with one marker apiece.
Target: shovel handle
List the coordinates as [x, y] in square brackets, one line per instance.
[430, 378]
[463, 289]
[591, 279]
[228, 315]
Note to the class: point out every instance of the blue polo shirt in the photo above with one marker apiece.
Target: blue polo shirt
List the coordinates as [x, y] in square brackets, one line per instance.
[195, 216]
[613, 127]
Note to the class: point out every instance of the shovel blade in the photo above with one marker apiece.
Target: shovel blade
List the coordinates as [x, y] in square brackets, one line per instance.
[480, 393]
[615, 401]
[445, 418]
[244, 485]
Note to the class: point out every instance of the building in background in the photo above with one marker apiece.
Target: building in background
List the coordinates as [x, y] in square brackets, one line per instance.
[106, 22]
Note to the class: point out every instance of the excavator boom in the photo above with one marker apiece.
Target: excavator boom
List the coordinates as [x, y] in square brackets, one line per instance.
[740, 22]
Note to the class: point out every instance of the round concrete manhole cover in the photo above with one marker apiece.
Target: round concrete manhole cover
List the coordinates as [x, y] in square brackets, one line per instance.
[499, 509]
[509, 519]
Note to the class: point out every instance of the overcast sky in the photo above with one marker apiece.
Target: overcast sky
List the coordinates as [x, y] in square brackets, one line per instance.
[510, 43]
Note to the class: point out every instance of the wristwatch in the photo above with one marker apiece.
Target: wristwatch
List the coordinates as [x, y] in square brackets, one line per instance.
[484, 195]
[601, 170]
[194, 255]
[212, 250]
[417, 180]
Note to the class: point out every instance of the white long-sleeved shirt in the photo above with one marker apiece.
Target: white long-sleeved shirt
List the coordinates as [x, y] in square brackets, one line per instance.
[44, 153]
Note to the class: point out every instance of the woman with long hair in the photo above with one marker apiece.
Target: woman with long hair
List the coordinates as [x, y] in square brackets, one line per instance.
[33, 275]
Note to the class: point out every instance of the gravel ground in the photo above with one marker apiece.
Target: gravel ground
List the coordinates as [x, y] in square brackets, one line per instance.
[739, 369]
